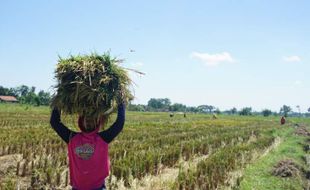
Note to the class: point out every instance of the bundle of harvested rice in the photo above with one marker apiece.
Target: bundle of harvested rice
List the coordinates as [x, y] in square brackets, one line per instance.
[90, 85]
[285, 168]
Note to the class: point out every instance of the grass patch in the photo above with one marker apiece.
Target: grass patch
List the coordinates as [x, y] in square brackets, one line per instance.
[259, 175]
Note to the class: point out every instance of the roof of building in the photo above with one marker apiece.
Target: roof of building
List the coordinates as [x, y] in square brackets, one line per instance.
[8, 98]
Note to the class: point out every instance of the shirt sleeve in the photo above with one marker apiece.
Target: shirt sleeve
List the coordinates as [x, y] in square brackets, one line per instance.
[109, 134]
[60, 128]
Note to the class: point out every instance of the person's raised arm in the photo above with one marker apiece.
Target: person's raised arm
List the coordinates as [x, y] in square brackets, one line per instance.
[109, 134]
[60, 129]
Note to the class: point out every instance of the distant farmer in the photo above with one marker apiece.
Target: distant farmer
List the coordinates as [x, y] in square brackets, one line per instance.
[88, 149]
[214, 116]
[282, 120]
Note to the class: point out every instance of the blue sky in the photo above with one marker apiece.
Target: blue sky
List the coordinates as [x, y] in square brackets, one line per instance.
[226, 53]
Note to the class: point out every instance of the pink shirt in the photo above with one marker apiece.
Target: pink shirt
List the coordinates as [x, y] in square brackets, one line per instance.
[88, 161]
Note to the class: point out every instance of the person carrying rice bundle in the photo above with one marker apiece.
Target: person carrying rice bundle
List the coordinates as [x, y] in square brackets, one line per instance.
[92, 87]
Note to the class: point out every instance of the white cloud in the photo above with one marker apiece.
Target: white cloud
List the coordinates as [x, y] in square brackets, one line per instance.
[297, 83]
[293, 58]
[213, 59]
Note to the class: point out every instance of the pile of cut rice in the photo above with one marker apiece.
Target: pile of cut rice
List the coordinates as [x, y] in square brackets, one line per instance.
[91, 85]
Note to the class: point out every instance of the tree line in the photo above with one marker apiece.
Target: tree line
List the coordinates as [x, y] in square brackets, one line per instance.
[165, 105]
[27, 95]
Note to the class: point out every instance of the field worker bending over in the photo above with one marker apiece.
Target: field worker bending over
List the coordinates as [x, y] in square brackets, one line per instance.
[88, 150]
[282, 121]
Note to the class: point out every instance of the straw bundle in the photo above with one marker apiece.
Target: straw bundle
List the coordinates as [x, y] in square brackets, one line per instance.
[90, 85]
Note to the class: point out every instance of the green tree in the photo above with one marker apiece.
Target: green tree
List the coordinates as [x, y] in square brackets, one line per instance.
[177, 107]
[13, 92]
[33, 89]
[159, 104]
[22, 90]
[233, 110]
[31, 98]
[217, 111]
[266, 112]
[246, 111]
[192, 109]
[44, 98]
[206, 108]
[27, 95]
[4, 91]
[154, 103]
[285, 110]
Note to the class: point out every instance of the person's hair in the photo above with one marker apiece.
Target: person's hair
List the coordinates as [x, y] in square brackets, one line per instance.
[89, 124]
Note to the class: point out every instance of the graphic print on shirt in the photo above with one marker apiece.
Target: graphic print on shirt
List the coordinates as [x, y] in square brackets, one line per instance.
[85, 151]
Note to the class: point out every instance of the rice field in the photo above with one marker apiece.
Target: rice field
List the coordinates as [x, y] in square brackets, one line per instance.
[153, 151]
